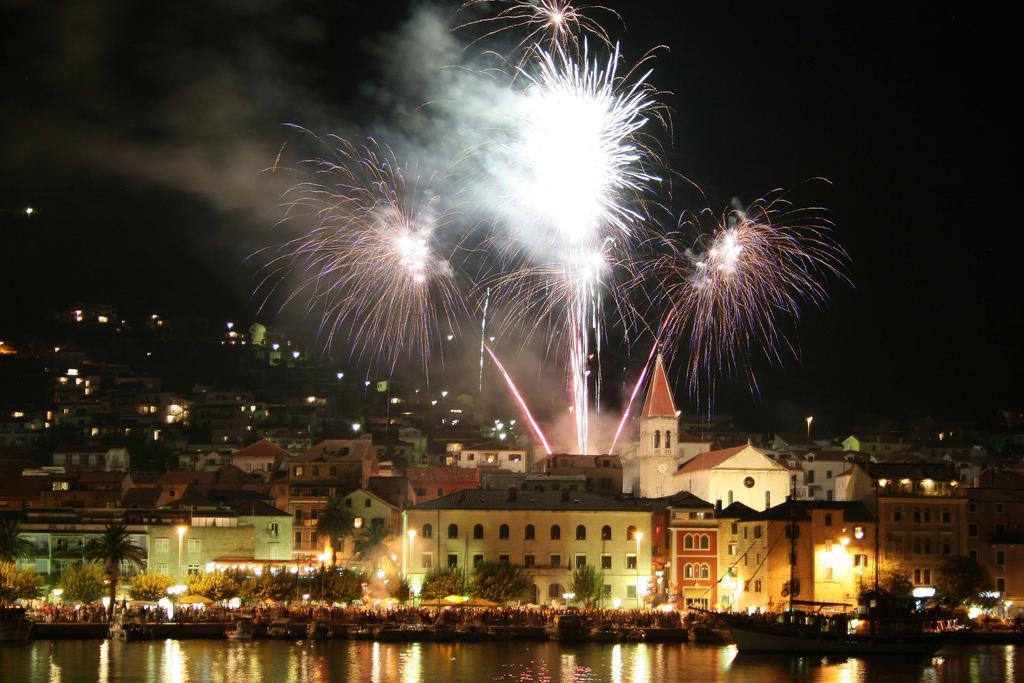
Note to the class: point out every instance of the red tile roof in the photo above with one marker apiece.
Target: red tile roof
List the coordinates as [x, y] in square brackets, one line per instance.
[261, 449]
[331, 449]
[453, 474]
[659, 401]
[706, 461]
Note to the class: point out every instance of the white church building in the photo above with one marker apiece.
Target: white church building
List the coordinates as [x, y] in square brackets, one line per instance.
[660, 464]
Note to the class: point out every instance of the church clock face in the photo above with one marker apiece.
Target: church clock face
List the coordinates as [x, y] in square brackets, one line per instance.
[662, 468]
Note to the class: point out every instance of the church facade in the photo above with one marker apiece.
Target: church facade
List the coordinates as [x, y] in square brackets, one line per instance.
[665, 461]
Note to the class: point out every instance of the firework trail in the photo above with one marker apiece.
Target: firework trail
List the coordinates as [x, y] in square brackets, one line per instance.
[483, 335]
[579, 174]
[369, 264]
[553, 25]
[519, 399]
[726, 296]
[639, 383]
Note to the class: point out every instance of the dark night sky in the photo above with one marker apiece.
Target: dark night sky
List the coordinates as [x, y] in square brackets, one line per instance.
[139, 134]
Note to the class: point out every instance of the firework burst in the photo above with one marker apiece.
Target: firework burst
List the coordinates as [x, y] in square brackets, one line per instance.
[728, 293]
[369, 265]
[579, 174]
[543, 24]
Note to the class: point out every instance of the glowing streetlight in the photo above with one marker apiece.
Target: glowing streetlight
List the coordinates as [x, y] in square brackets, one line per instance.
[638, 535]
[408, 558]
[356, 426]
[181, 540]
[29, 211]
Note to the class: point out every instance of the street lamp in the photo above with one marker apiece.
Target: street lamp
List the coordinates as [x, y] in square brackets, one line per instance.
[324, 557]
[408, 556]
[809, 421]
[638, 535]
[181, 540]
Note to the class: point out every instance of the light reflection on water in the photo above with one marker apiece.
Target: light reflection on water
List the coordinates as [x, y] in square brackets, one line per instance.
[173, 661]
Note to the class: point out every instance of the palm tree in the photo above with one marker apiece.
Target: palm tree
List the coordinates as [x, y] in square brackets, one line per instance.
[370, 545]
[113, 548]
[336, 522]
[13, 546]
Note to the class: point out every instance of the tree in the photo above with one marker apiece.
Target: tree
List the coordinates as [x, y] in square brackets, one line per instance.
[150, 587]
[343, 586]
[442, 582]
[17, 584]
[500, 582]
[588, 585]
[370, 544]
[82, 583]
[336, 522]
[279, 587]
[216, 586]
[961, 580]
[13, 546]
[398, 588]
[114, 547]
[894, 579]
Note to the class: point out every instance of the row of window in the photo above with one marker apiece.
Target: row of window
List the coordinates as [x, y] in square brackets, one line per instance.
[299, 470]
[692, 541]
[529, 532]
[922, 546]
[972, 530]
[530, 560]
[921, 515]
[163, 545]
[696, 571]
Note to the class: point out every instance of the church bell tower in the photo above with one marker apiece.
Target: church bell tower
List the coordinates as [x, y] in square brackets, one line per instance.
[649, 472]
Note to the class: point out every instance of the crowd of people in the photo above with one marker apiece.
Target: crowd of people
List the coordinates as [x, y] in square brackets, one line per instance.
[359, 615]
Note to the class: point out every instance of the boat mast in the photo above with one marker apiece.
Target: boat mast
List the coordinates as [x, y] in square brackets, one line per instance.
[792, 541]
[878, 530]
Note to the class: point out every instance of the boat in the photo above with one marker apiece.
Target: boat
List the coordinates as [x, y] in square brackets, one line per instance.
[705, 635]
[884, 626]
[568, 627]
[319, 629]
[603, 634]
[279, 628]
[361, 632]
[393, 633]
[470, 632]
[633, 635]
[14, 625]
[243, 630]
[441, 632]
[131, 631]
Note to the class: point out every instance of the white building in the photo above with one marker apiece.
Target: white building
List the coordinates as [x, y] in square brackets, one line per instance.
[741, 474]
[489, 454]
[820, 472]
[88, 458]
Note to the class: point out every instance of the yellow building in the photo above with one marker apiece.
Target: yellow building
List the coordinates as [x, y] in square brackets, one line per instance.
[834, 552]
[548, 533]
